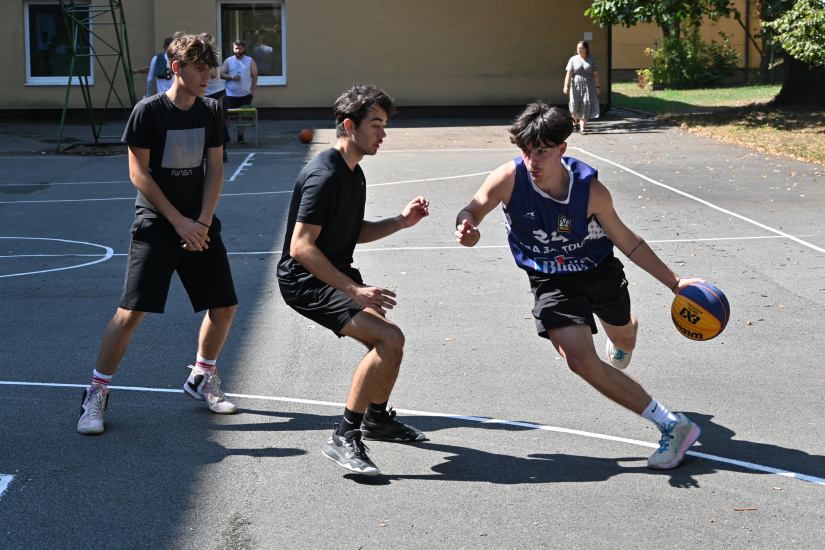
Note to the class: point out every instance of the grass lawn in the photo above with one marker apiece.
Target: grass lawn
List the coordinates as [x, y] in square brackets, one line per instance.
[736, 115]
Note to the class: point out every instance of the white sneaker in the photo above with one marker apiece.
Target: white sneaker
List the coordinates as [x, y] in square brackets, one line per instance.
[207, 387]
[677, 437]
[616, 357]
[95, 399]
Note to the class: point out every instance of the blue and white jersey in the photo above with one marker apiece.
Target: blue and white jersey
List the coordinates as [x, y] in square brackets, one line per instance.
[555, 236]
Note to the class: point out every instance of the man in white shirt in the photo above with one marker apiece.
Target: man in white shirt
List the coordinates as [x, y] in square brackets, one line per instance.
[241, 75]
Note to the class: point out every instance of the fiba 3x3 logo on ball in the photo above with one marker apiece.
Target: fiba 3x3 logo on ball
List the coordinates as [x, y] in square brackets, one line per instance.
[700, 311]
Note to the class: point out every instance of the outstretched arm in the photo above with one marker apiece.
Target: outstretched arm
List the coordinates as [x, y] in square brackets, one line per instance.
[629, 243]
[302, 247]
[496, 189]
[417, 209]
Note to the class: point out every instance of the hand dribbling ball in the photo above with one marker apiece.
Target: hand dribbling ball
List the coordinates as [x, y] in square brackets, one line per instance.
[305, 136]
[700, 311]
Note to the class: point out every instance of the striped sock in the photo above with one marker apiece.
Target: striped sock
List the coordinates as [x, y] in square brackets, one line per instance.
[202, 366]
[101, 379]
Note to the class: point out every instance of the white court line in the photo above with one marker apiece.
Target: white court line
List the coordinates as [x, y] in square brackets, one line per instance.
[482, 420]
[706, 203]
[5, 479]
[109, 254]
[63, 183]
[243, 165]
[387, 249]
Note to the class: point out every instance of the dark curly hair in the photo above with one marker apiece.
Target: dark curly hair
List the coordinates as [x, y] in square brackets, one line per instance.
[355, 103]
[191, 48]
[539, 123]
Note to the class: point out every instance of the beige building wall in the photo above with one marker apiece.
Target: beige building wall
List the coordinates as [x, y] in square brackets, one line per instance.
[424, 53]
[629, 44]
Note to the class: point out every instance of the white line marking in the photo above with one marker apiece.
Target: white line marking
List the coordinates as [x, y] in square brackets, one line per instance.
[479, 419]
[706, 203]
[431, 179]
[109, 254]
[5, 479]
[243, 165]
[62, 183]
[389, 249]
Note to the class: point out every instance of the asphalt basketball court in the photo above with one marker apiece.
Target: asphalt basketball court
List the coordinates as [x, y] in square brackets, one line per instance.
[522, 453]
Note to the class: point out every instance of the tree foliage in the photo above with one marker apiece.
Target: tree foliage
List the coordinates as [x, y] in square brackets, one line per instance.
[670, 15]
[801, 31]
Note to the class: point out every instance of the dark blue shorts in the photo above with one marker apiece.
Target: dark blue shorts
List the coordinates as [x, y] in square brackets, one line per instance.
[155, 253]
[574, 298]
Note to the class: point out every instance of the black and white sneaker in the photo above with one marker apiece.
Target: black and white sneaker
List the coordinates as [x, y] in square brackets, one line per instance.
[207, 387]
[350, 452]
[390, 430]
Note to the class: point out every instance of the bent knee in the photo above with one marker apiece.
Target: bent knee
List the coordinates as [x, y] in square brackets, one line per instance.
[582, 365]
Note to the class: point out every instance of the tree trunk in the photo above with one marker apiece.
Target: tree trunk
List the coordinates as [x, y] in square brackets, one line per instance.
[802, 84]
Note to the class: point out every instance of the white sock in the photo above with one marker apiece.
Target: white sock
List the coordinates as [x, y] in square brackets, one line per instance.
[202, 366]
[102, 379]
[658, 414]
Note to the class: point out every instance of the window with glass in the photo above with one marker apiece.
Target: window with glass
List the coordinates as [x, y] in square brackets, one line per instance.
[261, 26]
[48, 47]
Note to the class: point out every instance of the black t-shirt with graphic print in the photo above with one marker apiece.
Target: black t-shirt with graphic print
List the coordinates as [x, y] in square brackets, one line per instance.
[177, 141]
[334, 197]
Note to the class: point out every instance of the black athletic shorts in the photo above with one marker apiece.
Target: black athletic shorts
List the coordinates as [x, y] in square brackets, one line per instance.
[321, 303]
[155, 254]
[573, 298]
[233, 101]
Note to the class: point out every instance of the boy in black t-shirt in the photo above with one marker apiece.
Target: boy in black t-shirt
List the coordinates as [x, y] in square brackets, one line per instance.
[175, 229]
[316, 277]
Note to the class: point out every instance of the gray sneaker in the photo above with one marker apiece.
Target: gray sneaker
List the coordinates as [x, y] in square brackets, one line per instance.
[207, 387]
[677, 437]
[95, 400]
[350, 452]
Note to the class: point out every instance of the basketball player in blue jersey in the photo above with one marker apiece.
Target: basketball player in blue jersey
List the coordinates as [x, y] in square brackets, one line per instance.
[562, 228]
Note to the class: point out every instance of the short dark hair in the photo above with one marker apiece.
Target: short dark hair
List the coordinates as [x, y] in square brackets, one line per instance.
[539, 123]
[585, 45]
[355, 103]
[166, 42]
[190, 48]
[239, 43]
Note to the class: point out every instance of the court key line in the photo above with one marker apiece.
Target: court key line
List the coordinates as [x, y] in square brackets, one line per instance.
[479, 419]
[111, 254]
[706, 203]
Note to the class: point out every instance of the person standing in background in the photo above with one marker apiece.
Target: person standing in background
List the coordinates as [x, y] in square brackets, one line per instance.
[158, 71]
[241, 75]
[215, 89]
[582, 83]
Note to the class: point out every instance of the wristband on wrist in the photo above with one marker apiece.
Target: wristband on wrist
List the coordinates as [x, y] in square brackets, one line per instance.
[676, 284]
[203, 224]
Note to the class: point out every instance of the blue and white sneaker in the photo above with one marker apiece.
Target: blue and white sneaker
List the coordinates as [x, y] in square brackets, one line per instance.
[616, 357]
[677, 437]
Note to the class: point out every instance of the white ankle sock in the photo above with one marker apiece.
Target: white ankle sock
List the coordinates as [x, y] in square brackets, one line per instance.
[658, 414]
[202, 366]
[101, 379]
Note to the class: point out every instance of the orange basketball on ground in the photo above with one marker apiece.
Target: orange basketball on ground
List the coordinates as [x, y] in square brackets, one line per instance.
[305, 136]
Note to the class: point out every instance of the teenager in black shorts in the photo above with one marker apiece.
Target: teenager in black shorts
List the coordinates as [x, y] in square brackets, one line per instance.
[562, 229]
[175, 229]
[316, 277]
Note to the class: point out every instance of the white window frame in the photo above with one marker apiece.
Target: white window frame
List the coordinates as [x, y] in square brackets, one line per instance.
[262, 80]
[48, 80]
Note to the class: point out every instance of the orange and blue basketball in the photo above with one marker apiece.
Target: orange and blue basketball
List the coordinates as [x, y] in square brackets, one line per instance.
[700, 311]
